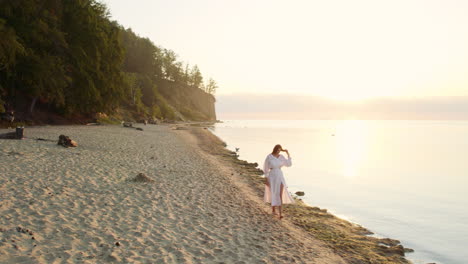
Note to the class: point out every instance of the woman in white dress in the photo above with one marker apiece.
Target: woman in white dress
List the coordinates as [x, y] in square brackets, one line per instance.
[276, 190]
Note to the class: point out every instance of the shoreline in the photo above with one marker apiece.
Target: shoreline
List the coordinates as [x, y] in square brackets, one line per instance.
[349, 240]
[202, 205]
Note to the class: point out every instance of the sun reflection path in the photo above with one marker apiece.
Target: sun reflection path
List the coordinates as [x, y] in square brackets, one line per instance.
[351, 145]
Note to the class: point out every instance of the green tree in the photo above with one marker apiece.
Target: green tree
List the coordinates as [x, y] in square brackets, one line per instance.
[10, 46]
[95, 57]
[196, 78]
[211, 86]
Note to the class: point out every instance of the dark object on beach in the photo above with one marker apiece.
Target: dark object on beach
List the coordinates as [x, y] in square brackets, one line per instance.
[18, 134]
[154, 121]
[44, 139]
[66, 141]
[117, 243]
[127, 124]
[141, 177]
[139, 128]
[8, 116]
[300, 193]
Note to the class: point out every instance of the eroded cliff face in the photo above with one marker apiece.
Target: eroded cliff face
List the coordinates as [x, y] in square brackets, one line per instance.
[192, 103]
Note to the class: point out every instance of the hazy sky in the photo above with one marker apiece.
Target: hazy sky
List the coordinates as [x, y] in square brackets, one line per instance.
[344, 50]
[290, 106]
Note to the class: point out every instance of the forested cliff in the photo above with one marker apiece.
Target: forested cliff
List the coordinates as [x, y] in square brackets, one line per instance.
[68, 59]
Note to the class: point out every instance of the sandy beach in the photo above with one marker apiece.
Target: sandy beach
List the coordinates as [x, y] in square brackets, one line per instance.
[80, 205]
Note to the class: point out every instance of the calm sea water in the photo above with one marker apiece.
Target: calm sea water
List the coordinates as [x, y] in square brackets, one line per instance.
[401, 179]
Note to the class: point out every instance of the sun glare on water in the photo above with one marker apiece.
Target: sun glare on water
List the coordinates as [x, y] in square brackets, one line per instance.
[352, 145]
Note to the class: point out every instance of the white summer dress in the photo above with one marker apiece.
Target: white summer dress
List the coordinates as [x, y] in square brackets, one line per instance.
[272, 170]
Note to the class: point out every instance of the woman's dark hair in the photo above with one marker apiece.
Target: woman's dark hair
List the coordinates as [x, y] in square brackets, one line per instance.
[275, 149]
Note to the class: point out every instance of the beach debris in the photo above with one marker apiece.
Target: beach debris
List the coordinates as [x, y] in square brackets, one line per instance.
[44, 139]
[66, 141]
[139, 128]
[19, 229]
[18, 134]
[154, 121]
[117, 243]
[300, 193]
[141, 177]
[127, 124]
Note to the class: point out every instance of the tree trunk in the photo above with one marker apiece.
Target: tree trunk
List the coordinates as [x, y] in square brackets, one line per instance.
[33, 103]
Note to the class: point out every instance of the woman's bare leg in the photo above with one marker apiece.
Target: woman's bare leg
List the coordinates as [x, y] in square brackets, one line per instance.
[281, 198]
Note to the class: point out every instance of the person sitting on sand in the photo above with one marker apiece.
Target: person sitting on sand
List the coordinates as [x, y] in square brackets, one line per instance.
[276, 191]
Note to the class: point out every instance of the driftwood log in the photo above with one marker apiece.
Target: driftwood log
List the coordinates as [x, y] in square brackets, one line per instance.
[66, 141]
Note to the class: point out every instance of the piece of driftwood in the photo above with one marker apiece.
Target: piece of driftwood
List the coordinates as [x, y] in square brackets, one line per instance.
[18, 134]
[66, 141]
